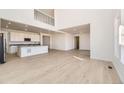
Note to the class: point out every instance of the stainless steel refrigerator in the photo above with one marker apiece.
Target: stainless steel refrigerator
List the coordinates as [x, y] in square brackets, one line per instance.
[2, 49]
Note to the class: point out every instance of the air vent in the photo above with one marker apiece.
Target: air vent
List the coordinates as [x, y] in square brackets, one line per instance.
[109, 67]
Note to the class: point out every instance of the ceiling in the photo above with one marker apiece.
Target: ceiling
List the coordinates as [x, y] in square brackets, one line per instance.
[7, 24]
[77, 29]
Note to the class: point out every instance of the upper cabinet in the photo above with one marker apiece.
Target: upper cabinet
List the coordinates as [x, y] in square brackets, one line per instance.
[36, 38]
[19, 36]
[16, 36]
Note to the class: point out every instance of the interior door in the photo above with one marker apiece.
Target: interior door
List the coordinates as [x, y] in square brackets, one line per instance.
[46, 41]
[76, 42]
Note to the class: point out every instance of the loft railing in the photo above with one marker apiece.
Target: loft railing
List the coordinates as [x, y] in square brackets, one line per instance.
[40, 16]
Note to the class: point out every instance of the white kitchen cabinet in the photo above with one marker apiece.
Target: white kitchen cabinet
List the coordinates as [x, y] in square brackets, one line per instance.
[13, 49]
[25, 51]
[31, 36]
[21, 37]
[18, 36]
[14, 36]
[26, 35]
[36, 37]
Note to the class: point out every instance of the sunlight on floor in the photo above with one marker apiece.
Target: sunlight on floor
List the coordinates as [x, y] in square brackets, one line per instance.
[81, 59]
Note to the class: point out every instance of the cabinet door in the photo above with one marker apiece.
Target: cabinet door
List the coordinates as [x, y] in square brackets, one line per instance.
[12, 36]
[37, 37]
[13, 49]
[16, 36]
[31, 36]
[21, 37]
[25, 35]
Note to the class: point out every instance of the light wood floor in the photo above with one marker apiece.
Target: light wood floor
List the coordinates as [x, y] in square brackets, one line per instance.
[57, 67]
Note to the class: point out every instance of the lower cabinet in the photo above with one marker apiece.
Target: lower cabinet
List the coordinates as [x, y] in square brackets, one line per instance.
[29, 51]
[13, 49]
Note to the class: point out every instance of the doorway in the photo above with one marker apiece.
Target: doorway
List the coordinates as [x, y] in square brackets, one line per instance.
[46, 41]
[76, 39]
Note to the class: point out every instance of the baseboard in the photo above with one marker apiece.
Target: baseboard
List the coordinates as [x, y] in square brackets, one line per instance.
[119, 68]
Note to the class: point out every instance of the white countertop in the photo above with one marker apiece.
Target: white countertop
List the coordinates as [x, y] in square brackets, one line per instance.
[24, 42]
[31, 46]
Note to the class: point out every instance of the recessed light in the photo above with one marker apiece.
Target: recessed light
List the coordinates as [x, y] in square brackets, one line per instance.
[9, 23]
[26, 29]
[26, 25]
[6, 26]
[74, 29]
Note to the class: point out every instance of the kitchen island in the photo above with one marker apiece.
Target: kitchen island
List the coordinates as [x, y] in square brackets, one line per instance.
[24, 51]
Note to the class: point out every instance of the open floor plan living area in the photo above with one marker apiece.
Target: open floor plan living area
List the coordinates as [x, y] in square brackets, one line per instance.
[61, 46]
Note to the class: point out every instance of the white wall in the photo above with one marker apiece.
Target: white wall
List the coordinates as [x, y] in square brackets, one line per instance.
[66, 41]
[25, 16]
[84, 41]
[58, 41]
[62, 41]
[69, 41]
[101, 28]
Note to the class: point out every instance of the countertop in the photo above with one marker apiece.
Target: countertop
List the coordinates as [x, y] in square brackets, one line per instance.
[23, 43]
[32, 46]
